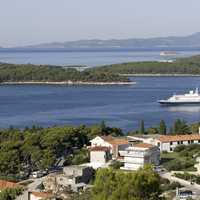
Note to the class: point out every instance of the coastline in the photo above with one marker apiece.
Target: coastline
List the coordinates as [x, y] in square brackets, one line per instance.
[65, 83]
[160, 75]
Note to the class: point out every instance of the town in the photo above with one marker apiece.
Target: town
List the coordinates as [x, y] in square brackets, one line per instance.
[173, 160]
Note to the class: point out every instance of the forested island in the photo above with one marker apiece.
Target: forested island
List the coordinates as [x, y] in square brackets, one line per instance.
[183, 66]
[27, 73]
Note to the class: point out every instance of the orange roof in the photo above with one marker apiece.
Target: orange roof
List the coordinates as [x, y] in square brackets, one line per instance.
[7, 184]
[144, 145]
[175, 138]
[99, 148]
[115, 140]
[42, 194]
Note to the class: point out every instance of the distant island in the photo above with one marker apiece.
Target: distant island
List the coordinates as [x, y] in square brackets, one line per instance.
[181, 67]
[41, 74]
[160, 43]
[116, 74]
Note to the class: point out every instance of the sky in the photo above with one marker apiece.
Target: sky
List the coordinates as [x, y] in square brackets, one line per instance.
[26, 22]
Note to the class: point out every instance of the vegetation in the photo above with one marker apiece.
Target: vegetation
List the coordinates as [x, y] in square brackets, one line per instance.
[179, 127]
[162, 128]
[28, 72]
[140, 185]
[10, 194]
[41, 148]
[189, 65]
[183, 158]
[188, 177]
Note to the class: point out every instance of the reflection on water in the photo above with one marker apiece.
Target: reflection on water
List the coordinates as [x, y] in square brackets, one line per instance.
[185, 108]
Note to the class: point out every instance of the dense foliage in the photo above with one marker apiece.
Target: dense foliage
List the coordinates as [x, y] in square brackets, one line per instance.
[143, 184]
[183, 157]
[10, 194]
[28, 72]
[42, 148]
[180, 66]
[188, 177]
[179, 127]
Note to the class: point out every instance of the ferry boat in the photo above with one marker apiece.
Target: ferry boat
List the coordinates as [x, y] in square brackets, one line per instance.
[168, 53]
[193, 97]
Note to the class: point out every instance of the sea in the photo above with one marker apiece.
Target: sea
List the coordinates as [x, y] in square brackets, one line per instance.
[119, 106]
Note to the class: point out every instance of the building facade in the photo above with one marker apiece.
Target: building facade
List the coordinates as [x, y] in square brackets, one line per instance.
[115, 144]
[138, 155]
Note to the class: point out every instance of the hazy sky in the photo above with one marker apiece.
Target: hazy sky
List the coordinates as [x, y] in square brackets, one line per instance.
[25, 22]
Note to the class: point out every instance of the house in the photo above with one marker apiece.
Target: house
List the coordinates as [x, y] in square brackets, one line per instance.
[73, 178]
[138, 155]
[8, 185]
[40, 196]
[116, 144]
[167, 142]
[99, 156]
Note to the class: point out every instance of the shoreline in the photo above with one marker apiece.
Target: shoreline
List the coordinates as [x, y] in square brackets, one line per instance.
[160, 75]
[65, 83]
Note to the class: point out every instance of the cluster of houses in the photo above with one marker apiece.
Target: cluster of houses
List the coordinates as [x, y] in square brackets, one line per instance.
[133, 151]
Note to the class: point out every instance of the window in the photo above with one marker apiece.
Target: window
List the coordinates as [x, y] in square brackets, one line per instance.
[198, 141]
[181, 142]
[188, 141]
[178, 142]
[192, 141]
[171, 143]
[171, 149]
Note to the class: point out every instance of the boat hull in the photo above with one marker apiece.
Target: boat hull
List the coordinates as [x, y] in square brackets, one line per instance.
[178, 103]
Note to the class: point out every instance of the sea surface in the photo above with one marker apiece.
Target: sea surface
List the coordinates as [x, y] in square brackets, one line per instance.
[120, 106]
[91, 58]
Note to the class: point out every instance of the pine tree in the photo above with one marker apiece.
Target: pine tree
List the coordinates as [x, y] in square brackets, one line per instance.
[162, 128]
[142, 129]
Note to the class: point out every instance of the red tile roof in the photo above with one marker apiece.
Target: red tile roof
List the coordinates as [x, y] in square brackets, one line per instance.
[42, 194]
[7, 184]
[115, 140]
[99, 148]
[143, 145]
[175, 138]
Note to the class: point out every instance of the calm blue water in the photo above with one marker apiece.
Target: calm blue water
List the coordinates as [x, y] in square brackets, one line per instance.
[89, 57]
[121, 106]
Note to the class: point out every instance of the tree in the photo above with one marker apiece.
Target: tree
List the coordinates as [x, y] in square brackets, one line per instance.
[142, 129]
[181, 127]
[162, 128]
[111, 184]
[10, 194]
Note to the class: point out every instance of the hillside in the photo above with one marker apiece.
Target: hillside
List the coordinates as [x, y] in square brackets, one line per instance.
[190, 41]
[189, 65]
[33, 73]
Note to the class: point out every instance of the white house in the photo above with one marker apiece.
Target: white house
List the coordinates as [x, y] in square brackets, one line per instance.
[167, 142]
[115, 144]
[99, 156]
[138, 155]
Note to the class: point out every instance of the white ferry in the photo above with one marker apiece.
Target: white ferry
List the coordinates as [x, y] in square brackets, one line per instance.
[193, 97]
[168, 53]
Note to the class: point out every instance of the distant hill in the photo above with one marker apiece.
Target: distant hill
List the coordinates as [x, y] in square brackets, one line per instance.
[191, 41]
[182, 66]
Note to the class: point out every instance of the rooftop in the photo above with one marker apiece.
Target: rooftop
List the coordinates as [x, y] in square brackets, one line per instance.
[174, 138]
[7, 184]
[42, 194]
[144, 145]
[99, 148]
[115, 140]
